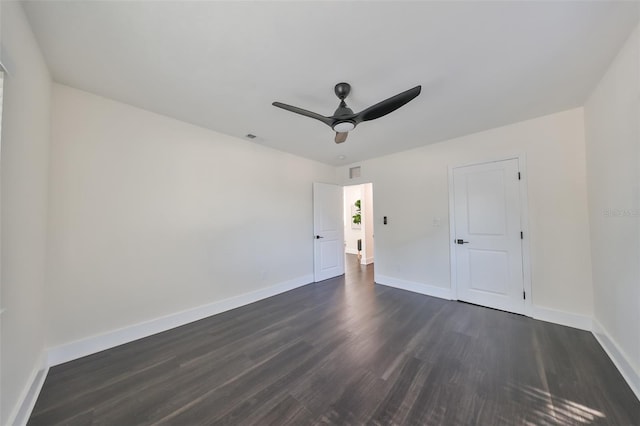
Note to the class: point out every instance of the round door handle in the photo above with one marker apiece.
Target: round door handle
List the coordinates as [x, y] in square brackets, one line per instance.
[462, 242]
[318, 237]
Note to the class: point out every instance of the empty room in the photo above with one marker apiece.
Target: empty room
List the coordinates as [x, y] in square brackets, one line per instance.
[319, 212]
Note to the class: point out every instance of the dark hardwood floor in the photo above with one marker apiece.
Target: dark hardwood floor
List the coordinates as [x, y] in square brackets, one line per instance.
[346, 352]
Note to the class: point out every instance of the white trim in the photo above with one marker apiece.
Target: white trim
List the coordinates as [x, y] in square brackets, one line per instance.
[452, 235]
[617, 355]
[582, 322]
[524, 225]
[93, 344]
[22, 411]
[366, 261]
[78, 349]
[421, 288]
[350, 251]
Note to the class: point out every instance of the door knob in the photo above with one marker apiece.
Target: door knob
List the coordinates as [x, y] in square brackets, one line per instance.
[318, 237]
[462, 242]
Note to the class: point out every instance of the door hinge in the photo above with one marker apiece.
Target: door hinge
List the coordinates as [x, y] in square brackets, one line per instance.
[521, 235]
[519, 177]
[524, 294]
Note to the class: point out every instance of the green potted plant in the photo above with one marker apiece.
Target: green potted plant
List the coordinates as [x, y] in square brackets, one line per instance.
[357, 217]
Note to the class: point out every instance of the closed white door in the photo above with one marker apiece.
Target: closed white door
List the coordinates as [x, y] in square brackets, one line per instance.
[488, 239]
[328, 228]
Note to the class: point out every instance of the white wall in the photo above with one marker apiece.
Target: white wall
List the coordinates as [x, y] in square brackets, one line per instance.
[351, 235]
[612, 117]
[411, 189]
[24, 167]
[150, 216]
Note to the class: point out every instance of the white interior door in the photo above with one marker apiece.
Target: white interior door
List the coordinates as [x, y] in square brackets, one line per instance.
[488, 239]
[328, 231]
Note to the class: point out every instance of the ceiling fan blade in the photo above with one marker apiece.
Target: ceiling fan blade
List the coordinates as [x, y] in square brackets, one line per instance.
[326, 120]
[341, 137]
[388, 105]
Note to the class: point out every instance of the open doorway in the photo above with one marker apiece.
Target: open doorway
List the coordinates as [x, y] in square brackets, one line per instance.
[358, 224]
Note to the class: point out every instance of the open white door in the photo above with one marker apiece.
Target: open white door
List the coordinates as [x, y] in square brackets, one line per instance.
[487, 241]
[328, 231]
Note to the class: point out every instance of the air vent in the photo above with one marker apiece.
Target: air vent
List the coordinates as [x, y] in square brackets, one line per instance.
[354, 172]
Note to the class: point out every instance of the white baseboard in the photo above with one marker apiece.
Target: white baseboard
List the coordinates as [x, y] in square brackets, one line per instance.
[620, 360]
[93, 344]
[22, 411]
[582, 322]
[366, 261]
[90, 345]
[429, 290]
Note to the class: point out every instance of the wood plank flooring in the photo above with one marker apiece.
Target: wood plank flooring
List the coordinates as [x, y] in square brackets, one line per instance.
[346, 352]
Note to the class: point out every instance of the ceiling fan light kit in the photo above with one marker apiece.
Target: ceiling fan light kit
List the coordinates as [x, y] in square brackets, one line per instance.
[344, 120]
[344, 126]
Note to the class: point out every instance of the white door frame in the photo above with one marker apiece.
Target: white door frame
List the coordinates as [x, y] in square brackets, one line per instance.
[368, 219]
[524, 223]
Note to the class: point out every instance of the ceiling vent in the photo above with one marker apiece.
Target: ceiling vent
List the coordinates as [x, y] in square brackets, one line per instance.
[354, 172]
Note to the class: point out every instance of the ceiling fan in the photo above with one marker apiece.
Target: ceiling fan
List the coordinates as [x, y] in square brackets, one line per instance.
[344, 120]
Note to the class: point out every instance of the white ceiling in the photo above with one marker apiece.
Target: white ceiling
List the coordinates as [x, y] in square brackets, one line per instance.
[221, 64]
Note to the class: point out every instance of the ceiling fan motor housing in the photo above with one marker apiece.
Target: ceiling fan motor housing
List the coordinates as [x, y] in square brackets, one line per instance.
[342, 90]
[343, 125]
